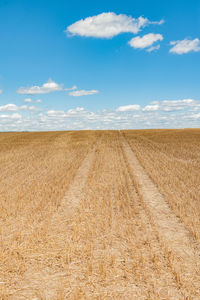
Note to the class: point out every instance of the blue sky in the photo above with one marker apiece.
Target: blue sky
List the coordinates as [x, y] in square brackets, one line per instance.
[99, 64]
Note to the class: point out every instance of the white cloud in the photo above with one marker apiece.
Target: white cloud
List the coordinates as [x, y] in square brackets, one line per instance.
[4, 116]
[14, 107]
[1, 91]
[33, 108]
[172, 105]
[151, 107]
[157, 114]
[183, 102]
[108, 25]
[12, 116]
[146, 41]
[9, 107]
[69, 113]
[195, 116]
[83, 93]
[79, 118]
[38, 101]
[76, 110]
[185, 46]
[153, 48]
[71, 89]
[48, 87]
[157, 22]
[27, 100]
[16, 116]
[56, 113]
[128, 108]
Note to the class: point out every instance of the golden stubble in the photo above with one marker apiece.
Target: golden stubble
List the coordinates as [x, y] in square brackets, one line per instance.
[107, 246]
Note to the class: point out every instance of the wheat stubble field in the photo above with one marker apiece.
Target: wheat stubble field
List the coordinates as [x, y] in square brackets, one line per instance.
[100, 215]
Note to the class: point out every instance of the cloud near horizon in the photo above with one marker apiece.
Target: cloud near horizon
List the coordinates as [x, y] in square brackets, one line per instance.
[108, 25]
[172, 105]
[28, 100]
[128, 108]
[13, 107]
[157, 114]
[12, 116]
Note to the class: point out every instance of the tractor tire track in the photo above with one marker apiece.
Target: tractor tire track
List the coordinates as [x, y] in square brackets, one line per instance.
[180, 249]
[46, 276]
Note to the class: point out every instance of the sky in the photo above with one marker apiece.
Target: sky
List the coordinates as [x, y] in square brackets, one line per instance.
[72, 65]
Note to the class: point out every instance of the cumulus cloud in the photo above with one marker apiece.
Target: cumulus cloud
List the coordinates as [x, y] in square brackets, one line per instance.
[146, 41]
[12, 116]
[76, 110]
[68, 113]
[194, 116]
[128, 108]
[83, 93]
[13, 107]
[151, 107]
[172, 105]
[9, 107]
[16, 116]
[56, 113]
[185, 46]
[48, 87]
[32, 108]
[38, 101]
[157, 114]
[153, 116]
[108, 25]
[27, 100]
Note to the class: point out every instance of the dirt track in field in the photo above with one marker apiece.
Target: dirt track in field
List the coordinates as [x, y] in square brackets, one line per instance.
[113, 235]
[75, 192]
[33, 280]
[175, 238]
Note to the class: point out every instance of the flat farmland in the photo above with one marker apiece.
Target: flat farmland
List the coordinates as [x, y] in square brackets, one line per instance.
[100, 215]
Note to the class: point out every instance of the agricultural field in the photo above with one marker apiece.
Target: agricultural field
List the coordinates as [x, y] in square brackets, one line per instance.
[100, 215]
